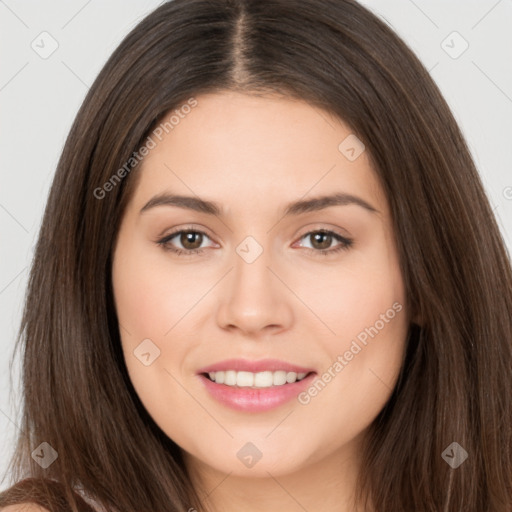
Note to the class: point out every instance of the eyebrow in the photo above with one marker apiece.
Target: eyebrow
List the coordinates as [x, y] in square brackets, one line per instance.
[295, 208]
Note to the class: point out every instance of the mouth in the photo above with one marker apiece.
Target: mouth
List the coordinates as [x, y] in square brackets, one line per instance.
[255, 386]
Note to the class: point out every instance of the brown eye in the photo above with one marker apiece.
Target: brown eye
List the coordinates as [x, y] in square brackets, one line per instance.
[321, 240]
[185, 242]
[191, 239]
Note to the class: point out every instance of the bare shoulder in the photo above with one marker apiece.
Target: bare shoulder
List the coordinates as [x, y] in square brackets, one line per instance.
[24, 507]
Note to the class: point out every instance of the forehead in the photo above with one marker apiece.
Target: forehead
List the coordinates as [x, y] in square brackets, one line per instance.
[247, 150]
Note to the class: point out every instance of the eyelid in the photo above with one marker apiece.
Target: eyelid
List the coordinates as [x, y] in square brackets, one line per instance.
[187, 227]
[315, 227]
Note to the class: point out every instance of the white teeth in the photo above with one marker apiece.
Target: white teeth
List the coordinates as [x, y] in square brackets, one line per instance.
[258, 380]
[279, 378]
[291, 377]
[263, 379]
[245, 379]
[230, 378]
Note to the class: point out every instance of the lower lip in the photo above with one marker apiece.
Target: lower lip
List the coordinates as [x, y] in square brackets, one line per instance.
[255, 400]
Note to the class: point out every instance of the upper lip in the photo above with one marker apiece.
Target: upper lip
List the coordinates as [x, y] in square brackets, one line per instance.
[262, 365]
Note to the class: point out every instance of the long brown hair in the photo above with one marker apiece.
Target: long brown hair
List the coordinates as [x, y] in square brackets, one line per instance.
[456, 379]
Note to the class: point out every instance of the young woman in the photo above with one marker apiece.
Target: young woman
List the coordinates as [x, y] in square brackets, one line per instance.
[267, 278]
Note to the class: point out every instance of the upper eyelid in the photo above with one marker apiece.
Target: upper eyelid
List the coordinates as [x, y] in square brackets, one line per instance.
[185, 230]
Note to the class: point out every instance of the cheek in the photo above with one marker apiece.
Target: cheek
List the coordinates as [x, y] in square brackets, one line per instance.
[350, 295]
[151, 292]
[356, 384]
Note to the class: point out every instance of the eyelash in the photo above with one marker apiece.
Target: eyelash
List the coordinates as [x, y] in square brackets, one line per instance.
[346, 243]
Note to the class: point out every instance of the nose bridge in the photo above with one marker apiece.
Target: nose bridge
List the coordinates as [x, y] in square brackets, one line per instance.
[253, 298]
[251, 280]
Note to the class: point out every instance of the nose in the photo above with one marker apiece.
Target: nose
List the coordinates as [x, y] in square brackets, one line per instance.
[253, 300]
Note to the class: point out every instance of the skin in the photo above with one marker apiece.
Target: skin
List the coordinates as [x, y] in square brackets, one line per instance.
[253, 156]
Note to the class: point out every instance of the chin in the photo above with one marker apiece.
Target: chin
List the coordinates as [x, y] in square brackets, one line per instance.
[255, 459]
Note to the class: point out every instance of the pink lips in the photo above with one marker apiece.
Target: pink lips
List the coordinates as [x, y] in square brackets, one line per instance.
[251, 399]
[244, 365]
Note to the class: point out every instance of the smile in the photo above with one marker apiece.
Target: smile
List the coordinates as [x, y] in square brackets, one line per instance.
[254, 386]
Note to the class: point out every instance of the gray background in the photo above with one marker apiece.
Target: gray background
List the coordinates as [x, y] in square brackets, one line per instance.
[39, 98]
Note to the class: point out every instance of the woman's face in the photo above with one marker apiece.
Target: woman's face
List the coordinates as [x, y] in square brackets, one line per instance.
[268, 298]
